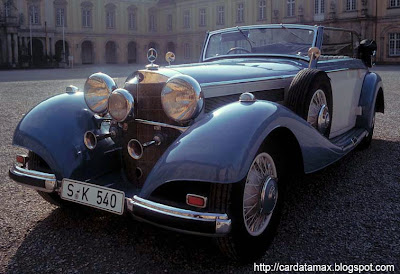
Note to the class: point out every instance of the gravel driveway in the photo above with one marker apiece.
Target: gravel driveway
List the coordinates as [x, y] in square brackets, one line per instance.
[348, 213]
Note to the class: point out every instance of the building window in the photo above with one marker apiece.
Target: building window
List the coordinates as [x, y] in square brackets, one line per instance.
[86, 18]
[152, 23]
[240, 13]
[186, 51]
[319, 7]
[202, 17]
[220, 15]
[350, 5]
[394, 4]
[132, 20]
[169, 22]
[60, 17]
[7, 9]
[110, 16]
[186, 19]
[291, 5]
[34, 14]
[262, 10]
[394, 44]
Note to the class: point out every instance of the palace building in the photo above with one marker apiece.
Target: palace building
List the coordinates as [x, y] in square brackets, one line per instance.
[110, 31]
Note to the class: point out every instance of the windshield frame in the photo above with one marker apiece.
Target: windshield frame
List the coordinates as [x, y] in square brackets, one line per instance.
[272, 26]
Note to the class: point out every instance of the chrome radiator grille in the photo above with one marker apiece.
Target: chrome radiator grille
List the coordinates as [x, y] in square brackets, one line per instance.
[147, 107]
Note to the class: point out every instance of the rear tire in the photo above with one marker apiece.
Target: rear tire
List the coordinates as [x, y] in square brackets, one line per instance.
[249, 238]
[366, 142]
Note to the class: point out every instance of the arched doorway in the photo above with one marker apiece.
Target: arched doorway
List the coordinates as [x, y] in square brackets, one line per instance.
[171, 47]
[131, 52]
[37, 52]
[153, 45]
[87, 52]
[59, 49]
[111, 52]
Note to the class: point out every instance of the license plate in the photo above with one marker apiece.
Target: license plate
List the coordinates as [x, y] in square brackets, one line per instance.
[92, 195]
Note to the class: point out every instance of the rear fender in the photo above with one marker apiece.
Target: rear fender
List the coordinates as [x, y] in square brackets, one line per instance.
[54, 130]
[371, 97]
[221, 147]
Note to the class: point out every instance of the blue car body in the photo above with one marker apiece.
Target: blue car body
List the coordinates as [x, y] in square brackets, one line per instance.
[217, 147]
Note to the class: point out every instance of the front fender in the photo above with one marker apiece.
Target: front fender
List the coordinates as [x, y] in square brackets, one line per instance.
[221, 147]
[54, 130]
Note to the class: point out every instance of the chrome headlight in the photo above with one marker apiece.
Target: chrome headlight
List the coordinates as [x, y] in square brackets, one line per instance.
[120, 104]
[182, 98]
[98, 88]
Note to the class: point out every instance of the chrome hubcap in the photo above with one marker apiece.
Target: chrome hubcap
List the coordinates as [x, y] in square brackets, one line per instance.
[260, 194]
[318, 112]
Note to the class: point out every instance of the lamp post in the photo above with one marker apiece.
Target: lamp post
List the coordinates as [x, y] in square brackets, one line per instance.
[63, 55]
[30, 35]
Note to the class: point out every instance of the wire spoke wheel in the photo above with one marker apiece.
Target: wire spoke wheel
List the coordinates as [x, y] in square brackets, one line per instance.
[260, 194]
[318, 112]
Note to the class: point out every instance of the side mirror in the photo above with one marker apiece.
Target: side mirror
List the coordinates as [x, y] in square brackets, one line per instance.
[366, 51]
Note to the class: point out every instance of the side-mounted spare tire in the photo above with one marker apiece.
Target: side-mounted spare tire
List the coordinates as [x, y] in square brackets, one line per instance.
[310, 97]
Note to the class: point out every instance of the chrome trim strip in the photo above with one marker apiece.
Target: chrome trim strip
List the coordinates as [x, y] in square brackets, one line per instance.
[152, 123]
[50, 179]
[222, 222]
[247, 80]
[336, 70]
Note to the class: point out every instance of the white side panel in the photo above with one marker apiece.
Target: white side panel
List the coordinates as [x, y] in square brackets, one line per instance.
[346, 89]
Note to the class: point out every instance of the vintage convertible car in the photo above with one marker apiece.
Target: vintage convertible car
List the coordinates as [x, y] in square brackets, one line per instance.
[205, 148]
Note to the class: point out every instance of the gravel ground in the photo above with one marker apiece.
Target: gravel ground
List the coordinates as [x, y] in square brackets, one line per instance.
[348, 213]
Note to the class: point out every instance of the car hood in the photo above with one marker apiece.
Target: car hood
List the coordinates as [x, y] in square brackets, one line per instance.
[240, 70]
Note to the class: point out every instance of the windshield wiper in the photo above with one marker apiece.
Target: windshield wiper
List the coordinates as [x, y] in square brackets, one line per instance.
[292, 33]
[245, 36]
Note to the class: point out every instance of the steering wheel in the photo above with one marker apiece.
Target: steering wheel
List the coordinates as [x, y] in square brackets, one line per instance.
[238, 48]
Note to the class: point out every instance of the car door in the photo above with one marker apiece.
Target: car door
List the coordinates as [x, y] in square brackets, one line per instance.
[347, 75]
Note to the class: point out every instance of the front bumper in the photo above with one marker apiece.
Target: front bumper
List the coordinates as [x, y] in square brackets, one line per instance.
[183, 220]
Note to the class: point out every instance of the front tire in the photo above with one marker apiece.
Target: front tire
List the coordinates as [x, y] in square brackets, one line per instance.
[254, 206]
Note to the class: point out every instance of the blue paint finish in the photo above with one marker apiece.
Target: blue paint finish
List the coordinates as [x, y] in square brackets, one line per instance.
[240, 69]
[54, 130]
[369, 92]
[220, 147]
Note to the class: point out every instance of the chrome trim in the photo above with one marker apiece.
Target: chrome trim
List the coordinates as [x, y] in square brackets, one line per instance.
[90, 140]
[222, 222]
[247, 97]
[152, 123]
[336, 70]
[355, 140]
[98, 83]
[243, 81]
[129, 100]
[197, 196]
[50, 179]
[71, 89]
[170, 92]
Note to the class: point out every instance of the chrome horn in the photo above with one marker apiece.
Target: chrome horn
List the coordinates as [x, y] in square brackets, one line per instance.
[90, 139]
[136, 149]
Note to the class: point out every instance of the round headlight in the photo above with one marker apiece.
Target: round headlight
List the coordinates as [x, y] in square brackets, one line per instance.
[98, 88]
[120, 104]
[182, 98]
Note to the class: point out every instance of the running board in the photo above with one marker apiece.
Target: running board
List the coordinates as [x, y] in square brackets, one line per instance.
[350, 139]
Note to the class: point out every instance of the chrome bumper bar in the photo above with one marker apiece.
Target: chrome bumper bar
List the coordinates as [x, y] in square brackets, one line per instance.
[174, 218]
[33, 179]
[182, 219]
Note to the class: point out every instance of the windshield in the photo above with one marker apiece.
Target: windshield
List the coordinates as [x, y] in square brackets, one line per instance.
[281, 40]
